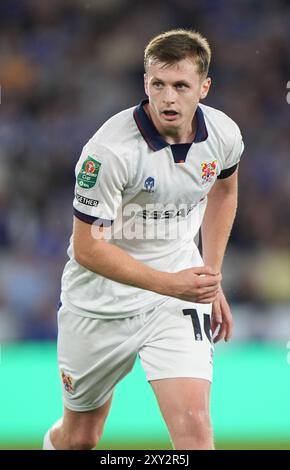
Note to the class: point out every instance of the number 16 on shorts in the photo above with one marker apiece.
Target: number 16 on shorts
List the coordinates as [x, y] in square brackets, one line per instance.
[197, 329]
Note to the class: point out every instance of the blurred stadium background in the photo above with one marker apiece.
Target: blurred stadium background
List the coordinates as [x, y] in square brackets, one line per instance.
[65, 67]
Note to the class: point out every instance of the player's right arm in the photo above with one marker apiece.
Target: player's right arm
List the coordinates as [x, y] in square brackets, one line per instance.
[94, 252]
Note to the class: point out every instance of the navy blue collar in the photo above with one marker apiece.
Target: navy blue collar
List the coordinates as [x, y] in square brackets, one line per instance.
[152, 136]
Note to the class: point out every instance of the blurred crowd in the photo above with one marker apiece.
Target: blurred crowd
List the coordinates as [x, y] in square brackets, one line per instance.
[68, 65]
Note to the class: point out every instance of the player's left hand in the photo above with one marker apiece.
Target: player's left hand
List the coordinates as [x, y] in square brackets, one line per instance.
[221, 318]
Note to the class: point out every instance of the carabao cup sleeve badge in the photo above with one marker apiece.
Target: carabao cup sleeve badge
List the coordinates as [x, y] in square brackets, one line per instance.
[88, 174]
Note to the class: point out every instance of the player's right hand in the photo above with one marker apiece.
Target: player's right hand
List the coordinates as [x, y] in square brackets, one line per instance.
[200, 285]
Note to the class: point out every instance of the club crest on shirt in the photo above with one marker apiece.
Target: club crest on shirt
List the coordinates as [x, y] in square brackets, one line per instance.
[88, 174]
[67, 382]
[149, 185]
[208, 171]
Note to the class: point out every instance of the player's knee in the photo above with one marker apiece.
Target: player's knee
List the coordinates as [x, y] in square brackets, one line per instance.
[83, 441]
[201, 422]
[86, 440]
[194, 422]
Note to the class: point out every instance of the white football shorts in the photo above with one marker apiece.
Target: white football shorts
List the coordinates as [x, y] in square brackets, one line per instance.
[172, 340]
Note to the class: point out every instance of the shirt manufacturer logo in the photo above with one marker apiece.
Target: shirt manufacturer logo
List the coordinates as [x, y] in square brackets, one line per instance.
[149, 185]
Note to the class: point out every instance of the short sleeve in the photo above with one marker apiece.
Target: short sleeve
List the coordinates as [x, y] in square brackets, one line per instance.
[238, 147]
[101, 177]
[233, 158]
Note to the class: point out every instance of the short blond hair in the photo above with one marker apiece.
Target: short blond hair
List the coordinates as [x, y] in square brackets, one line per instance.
[178, 44]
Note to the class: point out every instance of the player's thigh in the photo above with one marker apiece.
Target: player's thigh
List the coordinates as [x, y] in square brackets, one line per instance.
[86, 423]
[184, 404]
[182, 397]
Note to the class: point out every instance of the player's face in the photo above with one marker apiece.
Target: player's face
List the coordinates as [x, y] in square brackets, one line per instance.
[174, 92]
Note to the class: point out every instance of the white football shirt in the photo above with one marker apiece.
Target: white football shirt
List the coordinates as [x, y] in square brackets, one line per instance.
[151, 196]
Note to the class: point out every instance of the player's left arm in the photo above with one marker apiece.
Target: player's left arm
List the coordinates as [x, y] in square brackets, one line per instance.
[216, 227]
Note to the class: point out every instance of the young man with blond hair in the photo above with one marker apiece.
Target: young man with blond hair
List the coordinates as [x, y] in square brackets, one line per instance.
[146, 183]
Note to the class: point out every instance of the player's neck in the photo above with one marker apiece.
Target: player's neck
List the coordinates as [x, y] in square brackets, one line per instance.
[182, 135]
[179, 136]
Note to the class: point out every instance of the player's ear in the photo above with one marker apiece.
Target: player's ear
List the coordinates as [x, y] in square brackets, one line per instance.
[146, 83]
[205, 88]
